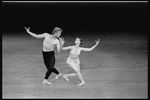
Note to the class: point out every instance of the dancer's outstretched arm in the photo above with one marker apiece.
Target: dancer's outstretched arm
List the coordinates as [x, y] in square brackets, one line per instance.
[90, 49]
[60, 44]
[33, 34]
[67, 48]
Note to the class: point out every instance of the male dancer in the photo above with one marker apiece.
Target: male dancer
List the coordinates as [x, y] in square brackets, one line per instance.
[50, 42]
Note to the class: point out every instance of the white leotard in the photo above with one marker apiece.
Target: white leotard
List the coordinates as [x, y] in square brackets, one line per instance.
[74, 56]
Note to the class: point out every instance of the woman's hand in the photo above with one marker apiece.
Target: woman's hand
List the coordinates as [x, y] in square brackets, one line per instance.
[97, 42]
[27, 29]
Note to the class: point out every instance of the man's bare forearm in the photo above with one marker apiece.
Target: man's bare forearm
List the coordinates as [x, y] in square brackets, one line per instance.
[61, 43]
[32, 34]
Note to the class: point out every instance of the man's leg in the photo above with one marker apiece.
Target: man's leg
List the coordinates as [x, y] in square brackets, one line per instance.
[46, 58]
[56, 72]
[52, 64]
[45, 81]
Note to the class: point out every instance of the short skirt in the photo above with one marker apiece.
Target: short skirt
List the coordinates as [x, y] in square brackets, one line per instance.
[74, 61]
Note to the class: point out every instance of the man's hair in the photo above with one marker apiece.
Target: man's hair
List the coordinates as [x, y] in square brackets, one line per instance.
[56, 29]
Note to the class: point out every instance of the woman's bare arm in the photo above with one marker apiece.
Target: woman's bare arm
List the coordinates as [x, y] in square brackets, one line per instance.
[66, 48]
[90, 49]
[61, 44]
[33, 34]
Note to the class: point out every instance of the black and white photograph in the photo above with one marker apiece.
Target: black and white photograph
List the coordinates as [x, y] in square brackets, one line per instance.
[75, 49]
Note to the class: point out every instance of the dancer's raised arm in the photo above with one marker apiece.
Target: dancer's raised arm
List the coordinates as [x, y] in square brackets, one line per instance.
[60, 44]
[90, 49]
[33, 34]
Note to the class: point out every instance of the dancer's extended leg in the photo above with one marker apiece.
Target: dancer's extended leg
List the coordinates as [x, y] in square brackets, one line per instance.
[71, 74]
[66, 76]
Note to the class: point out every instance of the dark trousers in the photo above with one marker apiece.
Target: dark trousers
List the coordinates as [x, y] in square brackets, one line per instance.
[49, 61]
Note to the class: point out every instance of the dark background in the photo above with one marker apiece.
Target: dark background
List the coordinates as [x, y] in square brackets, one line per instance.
[71, 17]
[116, 68]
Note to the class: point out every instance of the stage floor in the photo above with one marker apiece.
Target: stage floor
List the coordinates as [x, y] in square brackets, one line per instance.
[114, 69]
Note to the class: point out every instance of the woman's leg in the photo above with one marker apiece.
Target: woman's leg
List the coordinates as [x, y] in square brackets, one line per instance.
[80, 76]
[77, 70]
[67, 75]
[71, 74]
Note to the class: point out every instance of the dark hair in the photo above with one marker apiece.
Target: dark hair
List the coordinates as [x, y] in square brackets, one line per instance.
[56, 29]
[80, 40]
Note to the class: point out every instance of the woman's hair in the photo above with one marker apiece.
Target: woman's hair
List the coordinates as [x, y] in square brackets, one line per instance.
[80, 40]
[56, 29]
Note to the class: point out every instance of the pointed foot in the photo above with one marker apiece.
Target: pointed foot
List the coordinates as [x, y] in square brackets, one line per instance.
[81, 84]
[58, 76]
[65, 77]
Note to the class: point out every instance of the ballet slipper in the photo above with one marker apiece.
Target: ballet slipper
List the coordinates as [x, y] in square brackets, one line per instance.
[65, 77]
[45, 82]
[82, 83]
[58, 76]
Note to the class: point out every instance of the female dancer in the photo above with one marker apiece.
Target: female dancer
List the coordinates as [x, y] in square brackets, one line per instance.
[50, 42]
[73, 59]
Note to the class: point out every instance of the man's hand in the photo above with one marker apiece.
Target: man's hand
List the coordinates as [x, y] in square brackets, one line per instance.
[62, 41]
